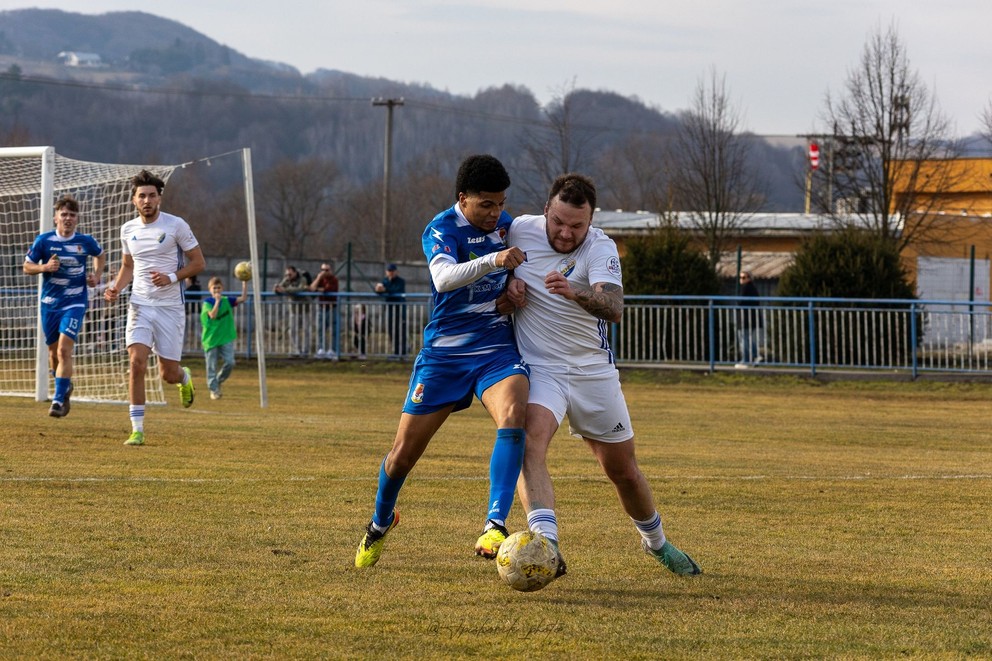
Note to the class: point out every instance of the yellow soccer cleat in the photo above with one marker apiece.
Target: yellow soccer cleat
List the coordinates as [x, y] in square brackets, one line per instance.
[370, 548]
[136, 438]
[186, 392]
[492, 537]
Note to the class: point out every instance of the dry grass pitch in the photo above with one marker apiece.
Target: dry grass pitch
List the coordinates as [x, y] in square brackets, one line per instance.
[833, 520]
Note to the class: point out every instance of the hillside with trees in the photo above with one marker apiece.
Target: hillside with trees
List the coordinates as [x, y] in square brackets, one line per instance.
[180, 96]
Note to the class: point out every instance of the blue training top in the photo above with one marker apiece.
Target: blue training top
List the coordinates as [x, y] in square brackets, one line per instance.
[65, 288]
[464, 321]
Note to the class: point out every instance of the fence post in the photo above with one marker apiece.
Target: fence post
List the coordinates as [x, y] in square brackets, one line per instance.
[912, 338]
[812, 340]
[711, 323]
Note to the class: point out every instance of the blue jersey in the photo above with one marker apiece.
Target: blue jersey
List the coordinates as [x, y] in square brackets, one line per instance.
[465, 321]
[65, 288]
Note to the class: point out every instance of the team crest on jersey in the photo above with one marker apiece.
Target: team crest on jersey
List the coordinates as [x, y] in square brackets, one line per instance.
[502, 234]
[613, 266]
[161, 237]
[566, 266]
[417, 396]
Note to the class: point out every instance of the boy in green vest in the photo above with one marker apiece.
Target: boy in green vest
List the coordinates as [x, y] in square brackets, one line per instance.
[219, 332]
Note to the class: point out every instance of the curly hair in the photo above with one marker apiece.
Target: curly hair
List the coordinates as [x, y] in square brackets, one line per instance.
[481, 173]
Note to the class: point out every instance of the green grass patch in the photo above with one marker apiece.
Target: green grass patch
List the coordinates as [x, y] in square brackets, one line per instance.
[831, 519]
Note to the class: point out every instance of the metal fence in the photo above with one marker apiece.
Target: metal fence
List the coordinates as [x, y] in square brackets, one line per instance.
[698, 332]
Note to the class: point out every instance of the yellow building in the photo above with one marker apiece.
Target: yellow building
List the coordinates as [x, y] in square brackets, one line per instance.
[954, 205]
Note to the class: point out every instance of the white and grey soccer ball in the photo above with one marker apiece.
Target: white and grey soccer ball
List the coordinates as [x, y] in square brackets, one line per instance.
[527, 561]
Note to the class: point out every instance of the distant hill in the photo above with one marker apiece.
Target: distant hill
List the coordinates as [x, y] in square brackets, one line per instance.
[41, 34]
[207, 98]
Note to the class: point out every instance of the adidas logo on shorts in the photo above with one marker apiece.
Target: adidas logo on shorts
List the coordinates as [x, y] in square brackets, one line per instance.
[618, 428]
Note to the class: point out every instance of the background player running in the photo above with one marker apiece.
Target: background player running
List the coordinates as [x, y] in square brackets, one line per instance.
[60, 256]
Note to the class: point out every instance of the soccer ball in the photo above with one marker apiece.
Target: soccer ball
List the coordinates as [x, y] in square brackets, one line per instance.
[527, 561]
[243, 271]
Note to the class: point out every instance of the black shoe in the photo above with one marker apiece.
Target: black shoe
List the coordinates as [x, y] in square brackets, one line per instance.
[58, 410]
[65, 403]
[562, 568]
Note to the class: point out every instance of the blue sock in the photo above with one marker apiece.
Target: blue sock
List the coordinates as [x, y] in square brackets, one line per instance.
[385, 497]
[61, 386]
[504, 469]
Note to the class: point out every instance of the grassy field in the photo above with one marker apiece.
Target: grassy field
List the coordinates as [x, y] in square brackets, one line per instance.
[841, 520]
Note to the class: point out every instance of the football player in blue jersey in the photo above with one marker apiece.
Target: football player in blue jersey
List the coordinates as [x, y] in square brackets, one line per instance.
[469, 350]
[60, 256]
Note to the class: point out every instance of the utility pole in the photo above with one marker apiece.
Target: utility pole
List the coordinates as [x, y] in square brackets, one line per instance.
[388, 157]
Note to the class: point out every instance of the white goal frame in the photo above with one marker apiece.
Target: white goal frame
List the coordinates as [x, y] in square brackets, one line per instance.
[26, 210]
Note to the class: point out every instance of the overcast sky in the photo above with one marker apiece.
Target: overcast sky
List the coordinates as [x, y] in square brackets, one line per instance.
[779, 57]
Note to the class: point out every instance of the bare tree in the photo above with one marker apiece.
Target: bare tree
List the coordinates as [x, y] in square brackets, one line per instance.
[559, 146]
[891, 148]
[714, 180]
[294, 205]
[987, 122]
[634, 174]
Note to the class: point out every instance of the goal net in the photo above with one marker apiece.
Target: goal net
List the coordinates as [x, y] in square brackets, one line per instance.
[31, 180]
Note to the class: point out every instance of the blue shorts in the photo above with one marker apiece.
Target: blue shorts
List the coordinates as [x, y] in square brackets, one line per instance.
[68, 322]
[440, 381]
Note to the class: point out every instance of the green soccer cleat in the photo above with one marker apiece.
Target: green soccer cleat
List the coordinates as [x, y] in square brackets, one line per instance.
[370, 548]
[678, 562]
[492, 537]
[136, 438]
[186, 392]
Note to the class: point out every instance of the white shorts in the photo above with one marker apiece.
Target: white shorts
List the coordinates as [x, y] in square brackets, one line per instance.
[590, 397]
[160, 327]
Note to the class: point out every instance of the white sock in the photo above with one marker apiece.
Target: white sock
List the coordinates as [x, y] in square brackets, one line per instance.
[137, 412]
[651, 531]
[543, 521]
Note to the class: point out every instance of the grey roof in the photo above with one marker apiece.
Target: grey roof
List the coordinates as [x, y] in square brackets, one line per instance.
[622, 222]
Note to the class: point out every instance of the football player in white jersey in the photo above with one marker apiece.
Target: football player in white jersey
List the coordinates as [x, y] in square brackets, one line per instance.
[159, 253]
[566, 294]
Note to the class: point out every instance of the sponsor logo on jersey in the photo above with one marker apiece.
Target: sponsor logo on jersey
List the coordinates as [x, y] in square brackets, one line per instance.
[435, 248]
[566, 266]
[476, 239]
[417, 396]
[613, 266]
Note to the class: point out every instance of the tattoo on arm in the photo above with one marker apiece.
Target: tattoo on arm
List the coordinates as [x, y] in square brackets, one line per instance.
[604, 300]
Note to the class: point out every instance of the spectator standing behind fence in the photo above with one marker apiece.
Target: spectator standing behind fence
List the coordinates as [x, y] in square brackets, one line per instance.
[219, 332]
[393, 287]
[327, 306]
[359, 325]
[292, 285]
[749, 322]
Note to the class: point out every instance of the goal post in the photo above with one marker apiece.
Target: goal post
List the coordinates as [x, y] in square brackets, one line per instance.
[31, 180]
